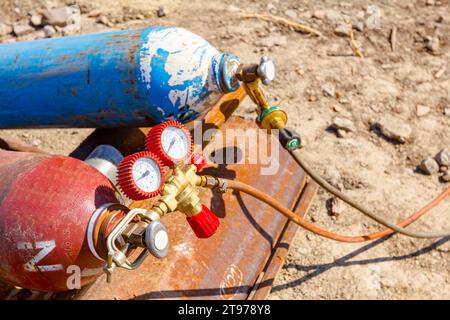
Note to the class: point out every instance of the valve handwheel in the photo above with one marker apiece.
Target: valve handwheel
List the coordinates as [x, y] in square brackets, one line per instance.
[140, 175]
[170, 141]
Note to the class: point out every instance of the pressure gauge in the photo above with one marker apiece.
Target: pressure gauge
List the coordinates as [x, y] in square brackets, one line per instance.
[170, 141]
[140, 175]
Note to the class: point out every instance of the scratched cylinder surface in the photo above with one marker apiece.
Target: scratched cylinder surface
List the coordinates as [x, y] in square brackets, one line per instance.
[118, 79]
[47, 205]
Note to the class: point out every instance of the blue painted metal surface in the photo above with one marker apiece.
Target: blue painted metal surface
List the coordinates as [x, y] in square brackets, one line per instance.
[116, 79]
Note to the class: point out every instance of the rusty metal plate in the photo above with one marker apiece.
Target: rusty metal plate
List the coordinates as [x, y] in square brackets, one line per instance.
[227, 265]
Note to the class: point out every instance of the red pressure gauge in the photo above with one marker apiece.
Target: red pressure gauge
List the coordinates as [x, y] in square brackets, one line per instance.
[170, 141]
[140, 175]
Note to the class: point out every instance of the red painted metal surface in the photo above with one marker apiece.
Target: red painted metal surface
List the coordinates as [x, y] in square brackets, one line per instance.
[45, 206]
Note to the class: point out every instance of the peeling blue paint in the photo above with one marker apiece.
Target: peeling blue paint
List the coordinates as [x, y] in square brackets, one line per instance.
[98, 80]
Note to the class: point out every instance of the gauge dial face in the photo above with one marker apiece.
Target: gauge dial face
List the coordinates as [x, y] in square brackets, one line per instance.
[175, 143]
[146, 174]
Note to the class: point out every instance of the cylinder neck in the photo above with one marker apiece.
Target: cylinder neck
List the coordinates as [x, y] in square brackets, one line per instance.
[224, 68]
[104, 224]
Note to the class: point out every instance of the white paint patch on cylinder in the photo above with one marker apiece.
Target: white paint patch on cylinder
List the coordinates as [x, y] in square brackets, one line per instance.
[189, 57]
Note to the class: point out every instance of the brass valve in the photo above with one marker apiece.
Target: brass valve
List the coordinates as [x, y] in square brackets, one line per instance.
[269, 117]
[179, 192]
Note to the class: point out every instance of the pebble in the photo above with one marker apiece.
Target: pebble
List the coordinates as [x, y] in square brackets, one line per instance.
[334, 178]
[319, 14]
[422, 110]
[21, 29]
[271, 8]
[104, 20]
[340, 133]
[343, 30]
[443, 157]
[49, 31]
[162, 11]
[447, 112]
[70, 30]
[36, 20]
[329, 90]
[394, 129]
[312, 98]
[5, 29]
[433, 45]
[61, 16]
[443, 169]
[359, 26]
[446, 177]
[335, 207]
[343, 124]
[291, 14]
[94, 13]
[429, 166]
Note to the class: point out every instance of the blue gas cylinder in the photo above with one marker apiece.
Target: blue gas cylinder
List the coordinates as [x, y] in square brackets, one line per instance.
[117, 79]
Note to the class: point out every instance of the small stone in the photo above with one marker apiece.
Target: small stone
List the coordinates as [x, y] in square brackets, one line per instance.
[343, 30]
[333, 15]
[443, 169]
[162, 11]
[21, 29]
[335, 207]
[5, 29]
[447, 112]
[433, 45]
[70, 30]
[343, 124]
[334, 178]
[430, 2]
[61, 16]
[319, 14]
[446, 177]
[394, 129]
[429, 166]
[443, 157]
[337, 108]
[329, 90]
[104, 20]
[94, 13]
[291, 14]
[36, 20]
[312, 98]
[49, 31]
[359, 26]
[340, 133]
[271, 8]
[422, 110]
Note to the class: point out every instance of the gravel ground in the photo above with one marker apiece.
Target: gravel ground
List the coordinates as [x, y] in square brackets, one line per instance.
[393, 110]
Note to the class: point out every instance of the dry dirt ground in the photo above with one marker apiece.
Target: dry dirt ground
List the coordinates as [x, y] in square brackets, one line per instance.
[374, 170]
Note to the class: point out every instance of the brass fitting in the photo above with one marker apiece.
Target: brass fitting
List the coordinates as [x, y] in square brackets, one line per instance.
[269, 117]
[179, 192]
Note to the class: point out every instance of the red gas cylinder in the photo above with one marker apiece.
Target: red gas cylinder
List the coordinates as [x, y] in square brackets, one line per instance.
[51, 211]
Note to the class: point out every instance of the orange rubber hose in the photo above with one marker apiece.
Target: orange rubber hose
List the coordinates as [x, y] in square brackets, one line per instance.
[240, 186]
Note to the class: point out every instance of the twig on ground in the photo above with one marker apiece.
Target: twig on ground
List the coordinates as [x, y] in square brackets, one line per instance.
[283, 21]
[393, 38]
[355, 48]
[440, 72]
